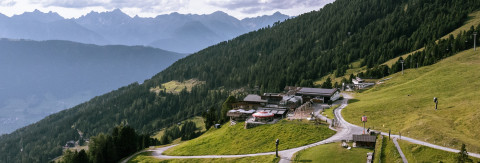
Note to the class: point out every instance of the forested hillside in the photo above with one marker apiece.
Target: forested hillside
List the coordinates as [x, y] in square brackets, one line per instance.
[295, 52]
[301, 50]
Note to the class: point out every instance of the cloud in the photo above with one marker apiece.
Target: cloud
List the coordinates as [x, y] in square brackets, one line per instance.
[144, 5]
[7, 3]
[254, 6]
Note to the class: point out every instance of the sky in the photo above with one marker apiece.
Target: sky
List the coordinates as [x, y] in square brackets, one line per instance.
[151, 8]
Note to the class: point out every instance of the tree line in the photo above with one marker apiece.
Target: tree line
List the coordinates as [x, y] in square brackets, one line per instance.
[186, 132]
[123, 141]
[433, 53]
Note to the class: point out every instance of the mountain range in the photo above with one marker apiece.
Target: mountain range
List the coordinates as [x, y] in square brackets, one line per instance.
[40, 78]
[169, 32]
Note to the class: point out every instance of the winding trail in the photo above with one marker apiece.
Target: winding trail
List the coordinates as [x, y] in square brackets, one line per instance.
[344, 132]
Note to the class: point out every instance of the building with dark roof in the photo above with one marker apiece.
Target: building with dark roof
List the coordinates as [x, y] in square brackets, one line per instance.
[364, 140]
[254, 98]
[251, 101]
[315, 94]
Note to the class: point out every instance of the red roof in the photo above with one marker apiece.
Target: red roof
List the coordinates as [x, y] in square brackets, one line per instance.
[263, 114]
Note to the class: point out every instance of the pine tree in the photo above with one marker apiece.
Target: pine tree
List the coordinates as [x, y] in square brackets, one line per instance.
[210, 117]
[327, 83]
[227, 106]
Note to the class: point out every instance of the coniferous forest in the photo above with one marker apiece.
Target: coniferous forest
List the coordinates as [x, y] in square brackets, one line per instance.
[122, 142]
[433, 53]
[294, 52]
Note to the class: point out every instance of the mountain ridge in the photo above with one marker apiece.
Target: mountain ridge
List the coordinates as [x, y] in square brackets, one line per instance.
[116, 27]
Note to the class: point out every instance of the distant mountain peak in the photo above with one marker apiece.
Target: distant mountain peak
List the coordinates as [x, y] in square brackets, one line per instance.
[114, 17]
[37, 15]
[219, 13]
[38, 12]
[117, 11]
[174, 13]
[278, 13]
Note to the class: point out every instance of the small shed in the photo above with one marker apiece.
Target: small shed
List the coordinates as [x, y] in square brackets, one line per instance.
[364, 140]
[70, 144]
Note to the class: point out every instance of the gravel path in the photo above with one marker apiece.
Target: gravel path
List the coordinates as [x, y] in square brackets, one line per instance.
[343, 132]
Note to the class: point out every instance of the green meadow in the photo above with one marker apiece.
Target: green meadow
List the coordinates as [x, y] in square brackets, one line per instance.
[405, 104]
[237, 140]
[147, 158]
[419, 153]
[333, 152]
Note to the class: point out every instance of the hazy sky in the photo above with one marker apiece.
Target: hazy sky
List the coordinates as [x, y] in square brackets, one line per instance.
[151, 8]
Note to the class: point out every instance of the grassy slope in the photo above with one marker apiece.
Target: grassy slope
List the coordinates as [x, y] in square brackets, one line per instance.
[147, 158]
[354, 70]
[378, 149]
[329, 111]
[236, 140]
[197, 120]
[419, 153]
[474, 19]
[394, 60]
[389, 152]
[176, 87]
[405, 103]
[333, 152]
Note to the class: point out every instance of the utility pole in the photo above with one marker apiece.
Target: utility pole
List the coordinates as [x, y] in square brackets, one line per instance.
[389, 131]
[474, 41]
[402, 61]
[276, 149]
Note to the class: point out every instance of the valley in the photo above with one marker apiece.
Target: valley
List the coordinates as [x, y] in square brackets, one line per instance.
[40, 78]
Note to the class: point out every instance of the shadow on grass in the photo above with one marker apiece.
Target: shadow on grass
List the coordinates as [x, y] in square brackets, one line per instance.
[361, 90]
[303, 160]
[353, 101]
